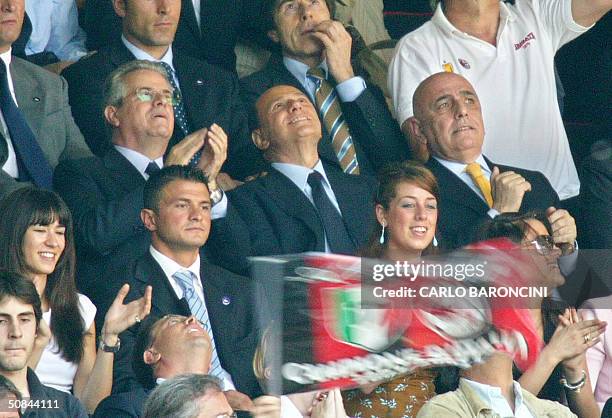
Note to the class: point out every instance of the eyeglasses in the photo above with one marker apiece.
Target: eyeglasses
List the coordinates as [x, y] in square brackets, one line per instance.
[544, 244]
[232, 415]
[146, 94]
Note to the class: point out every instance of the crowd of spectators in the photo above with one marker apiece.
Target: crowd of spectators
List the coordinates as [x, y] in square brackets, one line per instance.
[150, 148]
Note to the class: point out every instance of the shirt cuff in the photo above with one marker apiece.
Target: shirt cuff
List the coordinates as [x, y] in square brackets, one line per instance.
[349, 90]
[220, 209]
[492, 213]
[228, 384]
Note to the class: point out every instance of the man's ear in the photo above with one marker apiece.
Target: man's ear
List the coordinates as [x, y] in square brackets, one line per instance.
[272, 34]
[413, 126]
[110, 114]
[149, 219]
[260, 140]
[150, 356]
[120, 7]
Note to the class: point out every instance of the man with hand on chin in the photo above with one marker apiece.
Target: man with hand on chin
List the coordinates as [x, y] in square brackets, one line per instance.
[360, 135]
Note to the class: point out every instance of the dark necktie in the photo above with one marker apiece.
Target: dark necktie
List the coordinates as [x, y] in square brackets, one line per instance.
[328, 103]
[3, 151]
[31, 161]
[152, 168]
[335, 231]
[180, 116]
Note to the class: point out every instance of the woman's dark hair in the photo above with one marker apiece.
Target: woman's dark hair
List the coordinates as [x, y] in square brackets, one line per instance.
[18, 211]
[511, 225]
[389, 178]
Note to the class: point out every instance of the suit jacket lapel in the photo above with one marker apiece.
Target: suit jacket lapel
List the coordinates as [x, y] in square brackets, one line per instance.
[148, 272]
[123, 172]
[351, 208]
[455, 189]
[119, 54]
[292, 200]
[30, 96]
[188, 17]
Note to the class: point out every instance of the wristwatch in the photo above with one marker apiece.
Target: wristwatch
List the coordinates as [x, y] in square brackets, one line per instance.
[110, 348]
[216, 195]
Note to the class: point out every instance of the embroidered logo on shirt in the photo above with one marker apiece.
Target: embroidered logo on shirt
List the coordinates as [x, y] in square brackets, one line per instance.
[525, 42]
[448, 67]
[464, 64]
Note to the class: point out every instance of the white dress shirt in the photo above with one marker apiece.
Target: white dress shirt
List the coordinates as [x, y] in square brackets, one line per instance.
[10, 165]
[170, 267]
[493, 397]
[348, 91]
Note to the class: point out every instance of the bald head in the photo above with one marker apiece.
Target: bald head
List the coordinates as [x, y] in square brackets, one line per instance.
[288, 122]
[448, 118]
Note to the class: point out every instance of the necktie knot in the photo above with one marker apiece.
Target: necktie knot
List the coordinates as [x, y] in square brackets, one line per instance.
[152, 168]
[184, 278]
[316, 73]
[315, 179]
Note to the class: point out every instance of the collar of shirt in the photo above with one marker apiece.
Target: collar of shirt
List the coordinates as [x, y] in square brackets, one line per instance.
[170, 267]
[493, 398]
[299, 70]
[139, 161]
[298, 174]
[139, 54]
[441, 21]
[7, 58]
[459, 168]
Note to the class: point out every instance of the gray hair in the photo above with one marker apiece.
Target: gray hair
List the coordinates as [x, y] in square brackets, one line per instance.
[178, 397]
[114, 87]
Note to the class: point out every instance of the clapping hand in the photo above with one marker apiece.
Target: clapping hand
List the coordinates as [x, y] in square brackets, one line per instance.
[214, 152]
[329, 405]
[122, 316]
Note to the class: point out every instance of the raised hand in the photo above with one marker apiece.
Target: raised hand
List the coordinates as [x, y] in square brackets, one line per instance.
[214, 152]
[337, 48]
[329, 406]
[266, 407]
[120, 317]
[508, 189]
[563, 227]
[183, 152]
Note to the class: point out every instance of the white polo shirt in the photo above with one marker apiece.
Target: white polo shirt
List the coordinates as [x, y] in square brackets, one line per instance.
[515, 82]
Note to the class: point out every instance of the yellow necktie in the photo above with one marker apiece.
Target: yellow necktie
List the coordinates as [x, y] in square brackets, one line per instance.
[475, 172]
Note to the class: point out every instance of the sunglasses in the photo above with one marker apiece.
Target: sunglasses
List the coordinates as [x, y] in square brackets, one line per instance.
[544, 244]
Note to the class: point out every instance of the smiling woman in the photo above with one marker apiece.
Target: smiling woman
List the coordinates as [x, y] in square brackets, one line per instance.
[36, 241]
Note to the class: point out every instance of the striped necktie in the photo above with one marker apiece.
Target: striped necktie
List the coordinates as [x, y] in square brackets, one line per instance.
[328, 103]
[479, 179]
[185, 279]
[180, 116]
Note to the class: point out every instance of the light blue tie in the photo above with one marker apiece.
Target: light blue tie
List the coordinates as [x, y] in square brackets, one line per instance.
[185, 279]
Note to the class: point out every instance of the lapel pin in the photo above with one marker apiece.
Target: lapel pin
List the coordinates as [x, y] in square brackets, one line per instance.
[199, 82]
[36, 99]
[226, 300]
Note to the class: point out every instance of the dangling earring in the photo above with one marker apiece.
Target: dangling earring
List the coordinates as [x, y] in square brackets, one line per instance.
[435, 242]
[382, 235]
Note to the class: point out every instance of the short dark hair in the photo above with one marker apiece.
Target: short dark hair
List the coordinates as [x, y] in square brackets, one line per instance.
[13, 285]
[512, 225]
[271, 6]
[178, 397]
[144, 341]
[160, 179]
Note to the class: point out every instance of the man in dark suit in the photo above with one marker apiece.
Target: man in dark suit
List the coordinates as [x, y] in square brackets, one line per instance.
[164, 348]
[448, 120]
[105, 194]
[37, 129]
[207, 34]
[316, 59]
[302, 204]
[206, 94]
[177, 214]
